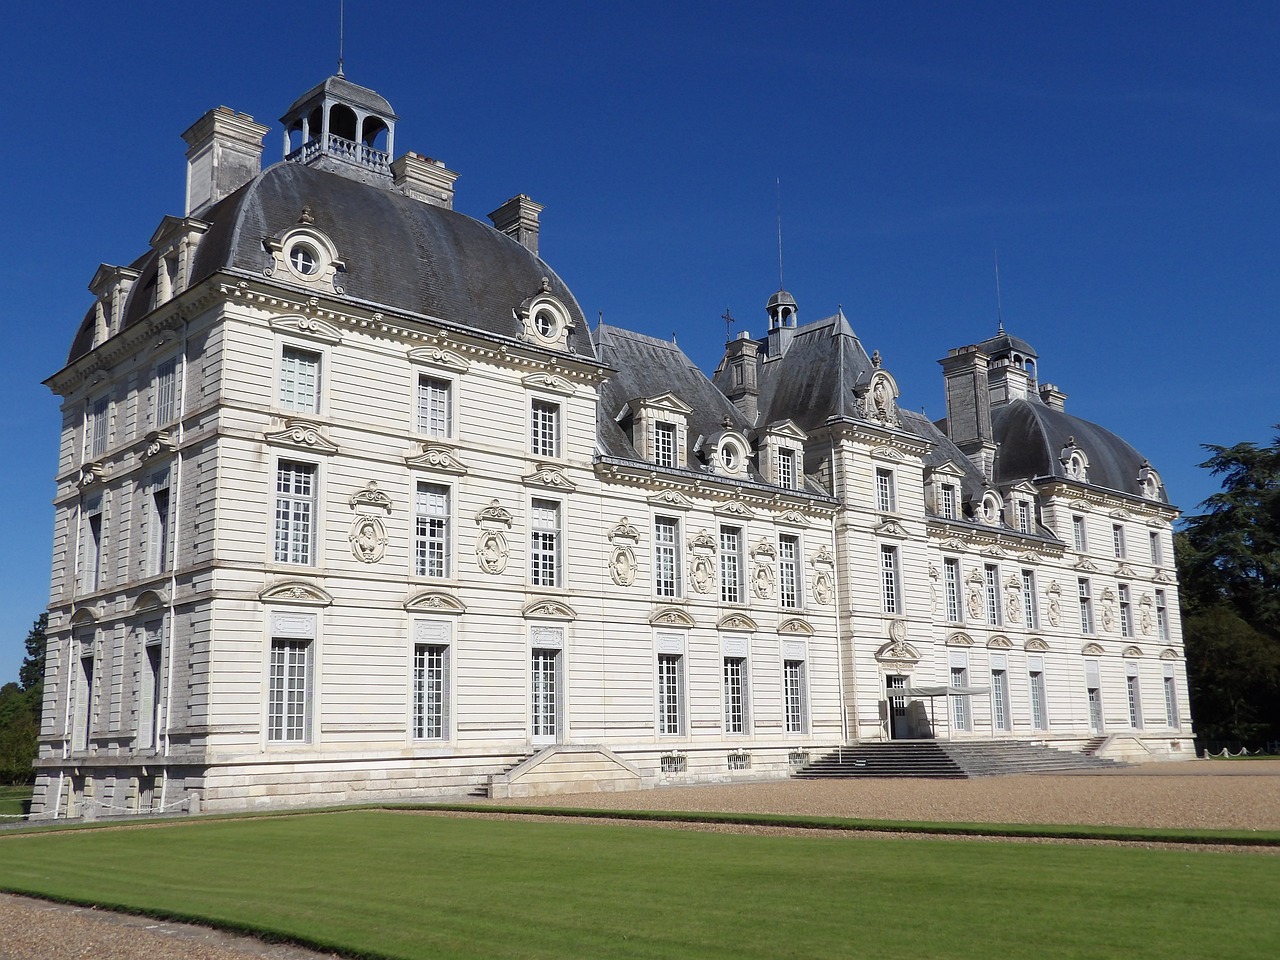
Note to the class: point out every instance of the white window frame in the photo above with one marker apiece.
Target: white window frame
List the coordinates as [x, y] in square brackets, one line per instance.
[290, 685]
[433, 415]
[1024, 513]
[1037, 696]
[732, 586]
[795, 695]
[670, 694]
[991, 587]
[546, 543]
[790, 581]
[1079, 533]
[431, 680]
[1085, 593]
[1126, 610]
[948, 501]
[151, 686]
[1133, 693]
[667, 581]
[432, 530]
[1093, 695]
[296, 533]
[786, 461]
[1000, 719]
[1162, 615]
[546, 418]
[1118, 541]
[952, 589]
[737, 699]
[93, 536]
[665, 434]
[547, 687]
[1157, 549]
[298, 365]
[890, 580]
[1030, 608]
[164, 392]
[159, 516]
[961, 707]
[886, 491]
[97, 425]
[1171, 718]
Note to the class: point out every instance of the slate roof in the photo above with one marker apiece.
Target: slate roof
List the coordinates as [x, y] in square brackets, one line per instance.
[1032, 434]
[399, 253]
[343, 89]
[648, 367]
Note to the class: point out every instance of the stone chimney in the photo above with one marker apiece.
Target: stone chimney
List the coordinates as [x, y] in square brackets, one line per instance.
[224, 152]
[969, 405]
[518, 219]
[1052, 396]
[1008, 381]
[740, 381]
[422, 178]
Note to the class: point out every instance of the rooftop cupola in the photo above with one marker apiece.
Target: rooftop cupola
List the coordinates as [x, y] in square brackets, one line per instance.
[1012, 370]
[782, 322]
[342, 127]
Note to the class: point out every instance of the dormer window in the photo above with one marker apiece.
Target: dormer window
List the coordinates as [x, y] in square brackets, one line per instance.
[1023, 514]
[304, 260]
[659, 429]
[990, 508]
[664, 444]
[948, 497]
[545, 319]
[305, 255]
[731, 453]
[786, 468]
[546, 323]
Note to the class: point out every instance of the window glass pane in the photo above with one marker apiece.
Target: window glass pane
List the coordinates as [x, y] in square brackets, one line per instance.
[431, 531]
[299, 380]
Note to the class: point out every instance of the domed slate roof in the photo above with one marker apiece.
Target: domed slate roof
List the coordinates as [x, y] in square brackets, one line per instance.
[1032, 435]
[344, 89]
[399, 253]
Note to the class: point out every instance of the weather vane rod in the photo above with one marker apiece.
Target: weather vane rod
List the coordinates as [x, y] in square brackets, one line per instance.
[342, 16]
[778, 185]
[999, 309]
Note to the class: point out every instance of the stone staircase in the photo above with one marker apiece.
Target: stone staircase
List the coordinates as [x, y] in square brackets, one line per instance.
[947, 760]
[483, 789]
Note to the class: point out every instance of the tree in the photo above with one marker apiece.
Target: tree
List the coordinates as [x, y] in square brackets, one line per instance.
[1229, 566]
[31, 673]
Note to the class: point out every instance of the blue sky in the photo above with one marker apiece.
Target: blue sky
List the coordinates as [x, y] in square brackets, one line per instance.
[1123, 158]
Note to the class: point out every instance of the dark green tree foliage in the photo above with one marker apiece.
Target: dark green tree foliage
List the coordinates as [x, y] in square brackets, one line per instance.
[20, 710]
[1229, 567]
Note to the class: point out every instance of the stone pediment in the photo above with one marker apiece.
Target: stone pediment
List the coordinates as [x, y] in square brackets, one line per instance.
[494, 515]
[1092, 650]
[671, 499]
[297, 592]
[794, 518]
[549, 608]
[434, 601]
[738, 622]
[1000, 642]
[549, 382]
[150, 600]
[898, 651]
[309, 327]
[548, 475]
[1084, 563]
[891, 528]
[304, 435]
[1131, 651]
[1036, 645]
[959, 639]
[795, 627]
[625, 531]
[672, 617]
[887, 453]
[1125, 571]
[439, 357]
[437, 456]
[370, 498]
[1169, 654]
[735, 508]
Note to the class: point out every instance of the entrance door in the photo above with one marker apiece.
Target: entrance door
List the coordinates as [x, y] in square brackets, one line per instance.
[898, 729]
[544, 696]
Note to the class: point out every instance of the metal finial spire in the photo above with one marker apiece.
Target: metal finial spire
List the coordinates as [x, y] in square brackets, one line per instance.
[999, 309]
[342, 16]
[729, 321]
[778, 185]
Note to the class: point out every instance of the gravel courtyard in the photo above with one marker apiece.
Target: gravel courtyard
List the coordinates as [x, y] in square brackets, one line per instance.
[1240, 795]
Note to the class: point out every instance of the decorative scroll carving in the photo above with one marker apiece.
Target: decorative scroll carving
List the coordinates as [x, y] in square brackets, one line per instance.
[368, 538]
[492, 550]
[671, 617]
[547, 608]
[1108, 609]
[549, 381]
[736, 508]
[304, 434]
[671, 499]
[439, 357]
[702, 569]
[370, 497]
[763, 557]
[1131, 651]
[897, 652]
[935, 575]
[1036, 645]
[974, 586]
[1013, 599]
[1000, 642]
[1146, 618]
[434, 601]
[308, 327]
[795, 627]
[739, 622]
[824, 575]
[494, 515]
[155, 443]
[622, 561]
[1092, 650]
[879, 401]
[437, 456]
[794, 518]
[90, 474]
[959, 639]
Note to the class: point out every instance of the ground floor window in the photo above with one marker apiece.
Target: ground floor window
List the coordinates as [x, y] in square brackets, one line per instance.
[670, 698]
[1039, 718]
[794, 695]
[545, 694]
[430, 680]
[1093, 689]
[1134, 692]
[960, 716]
[735, 695]
[289, 692]
[1170, 698]
[1000, 699]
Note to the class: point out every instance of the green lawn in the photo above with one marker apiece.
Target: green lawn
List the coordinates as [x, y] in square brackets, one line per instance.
[399, 885]
[14, 800]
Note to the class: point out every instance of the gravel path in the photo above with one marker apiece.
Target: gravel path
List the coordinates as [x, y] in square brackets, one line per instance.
[1190, 794]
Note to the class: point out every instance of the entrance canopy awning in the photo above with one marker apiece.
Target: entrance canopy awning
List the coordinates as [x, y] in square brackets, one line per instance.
[926, 693]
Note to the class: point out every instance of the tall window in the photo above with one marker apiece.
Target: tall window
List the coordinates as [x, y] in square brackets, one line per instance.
[1157, 551]
[960, 718]
[794, 695]
[95, 427]
[295, 512]
[886, 496]
[1029, 612]
[435, 407]
[166, 391]
[1086, 605]
[545, 694]
[544, 435]
[545, 544]
[1000, 698]
[670, 700]
[731, 565]
[91, 548]
[299, 380]
[1170, 698]
[289, 692]
[735, 695]
[666, 557]
[431, 531]
[1078, 535]
[1035, 679]
[991, 583]
[1162, 616]
[664, 444]
[158, 524]
[430, 680]
[1134, 693]
[951, 585]
[82, 695]
[786, 468]
[947, 500]
[151, 688]
[890, 589]
[1023, 509]
[1118, 541]
[1093, 688]
[789, 571]
[1126, 615]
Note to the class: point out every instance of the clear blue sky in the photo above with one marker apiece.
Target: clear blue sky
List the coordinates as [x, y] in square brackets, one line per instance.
[1123, 158]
